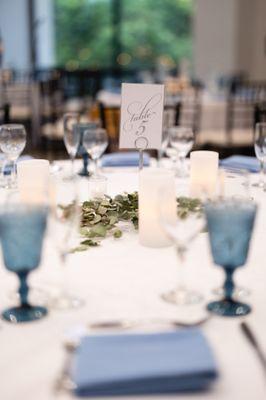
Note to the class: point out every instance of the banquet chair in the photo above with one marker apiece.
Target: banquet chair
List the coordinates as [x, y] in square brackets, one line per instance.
[241, 102]
[5, 113]
[110, 120]
[259, 113]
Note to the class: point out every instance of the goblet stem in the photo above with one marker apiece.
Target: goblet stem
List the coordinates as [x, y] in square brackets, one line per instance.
[181, 255]
[72, 166]
[229, 284]
[261, 180]
[96, 166]
[23, 288]
[159, 157]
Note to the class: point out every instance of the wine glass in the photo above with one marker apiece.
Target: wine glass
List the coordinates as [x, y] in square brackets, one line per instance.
[12, 143]
[64, 225]
[22, 230]
[230, 224]
[95, 141]
[164, 145]
[181, 139]
[182, 231]
[260, 151]
[71, 136]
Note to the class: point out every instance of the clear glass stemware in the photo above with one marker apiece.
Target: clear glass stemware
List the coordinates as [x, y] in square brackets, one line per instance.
[182, 140]
[64, 225]
[182, 232]
[260, 151]
[71, 136]
[12, 143]
[95, 141]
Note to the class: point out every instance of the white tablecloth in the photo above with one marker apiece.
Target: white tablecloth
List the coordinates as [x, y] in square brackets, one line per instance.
[124, 279]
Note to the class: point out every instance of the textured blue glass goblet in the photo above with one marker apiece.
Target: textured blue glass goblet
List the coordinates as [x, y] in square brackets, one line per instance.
[230, 225]
[22, 231]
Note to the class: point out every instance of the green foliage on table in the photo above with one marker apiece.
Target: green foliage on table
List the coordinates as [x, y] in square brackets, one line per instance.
[100, 218]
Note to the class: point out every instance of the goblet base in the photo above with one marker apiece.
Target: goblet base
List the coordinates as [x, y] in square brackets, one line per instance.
[229, 308]
[182, 296]
[24, 314]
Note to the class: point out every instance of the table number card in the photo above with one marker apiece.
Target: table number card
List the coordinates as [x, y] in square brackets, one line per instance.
[141, 116]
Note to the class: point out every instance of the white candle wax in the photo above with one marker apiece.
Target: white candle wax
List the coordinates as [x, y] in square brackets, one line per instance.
[203, 173]
[152, 182]
[33, 180]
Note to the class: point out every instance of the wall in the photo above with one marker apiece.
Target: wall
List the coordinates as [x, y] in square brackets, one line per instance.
[15, 33]
[229, 37]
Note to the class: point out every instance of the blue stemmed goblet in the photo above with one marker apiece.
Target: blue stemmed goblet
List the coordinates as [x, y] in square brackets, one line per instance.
[22, 231]
[230, 224]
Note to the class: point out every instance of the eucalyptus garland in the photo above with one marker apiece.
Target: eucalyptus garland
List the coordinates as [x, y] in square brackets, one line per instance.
[101, 218]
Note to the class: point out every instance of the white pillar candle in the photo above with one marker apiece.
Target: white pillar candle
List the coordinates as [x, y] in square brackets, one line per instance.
[152, 183]
[203, 173]
[33, 180]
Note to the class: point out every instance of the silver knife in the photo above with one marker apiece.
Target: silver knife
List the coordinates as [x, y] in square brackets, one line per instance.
[254, 342]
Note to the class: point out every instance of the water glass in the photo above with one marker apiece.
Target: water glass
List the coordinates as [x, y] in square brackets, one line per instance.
[64, 224]
[95, 141]
[22, 230]
[71, 136]
[182, 140]
[12, 143]
[182, 231]
[230, 224]
[260, 151]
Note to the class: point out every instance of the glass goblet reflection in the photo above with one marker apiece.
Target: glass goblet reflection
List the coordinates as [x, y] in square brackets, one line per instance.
[182, 231]
[22, 230]
[230, 224]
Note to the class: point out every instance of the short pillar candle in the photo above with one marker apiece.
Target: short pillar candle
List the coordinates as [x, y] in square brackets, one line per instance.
[33, 180]
[203, 173]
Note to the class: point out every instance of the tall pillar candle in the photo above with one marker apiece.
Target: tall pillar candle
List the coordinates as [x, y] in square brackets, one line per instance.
[203, 173]
[33, 180]
[152, 182]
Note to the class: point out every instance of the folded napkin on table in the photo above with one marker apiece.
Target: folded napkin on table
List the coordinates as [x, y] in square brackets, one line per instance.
[124, 159]
[245, 162]
[128, 364]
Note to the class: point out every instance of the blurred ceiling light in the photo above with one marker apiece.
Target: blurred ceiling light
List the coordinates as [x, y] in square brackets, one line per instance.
[124, 59]
[84, 54]
[72, 65]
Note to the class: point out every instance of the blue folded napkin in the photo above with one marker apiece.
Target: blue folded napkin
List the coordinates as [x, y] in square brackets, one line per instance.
[111, 365]
[124, 159]
[251, 164]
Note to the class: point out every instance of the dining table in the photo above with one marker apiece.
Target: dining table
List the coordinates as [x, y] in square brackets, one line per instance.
[122, 280]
